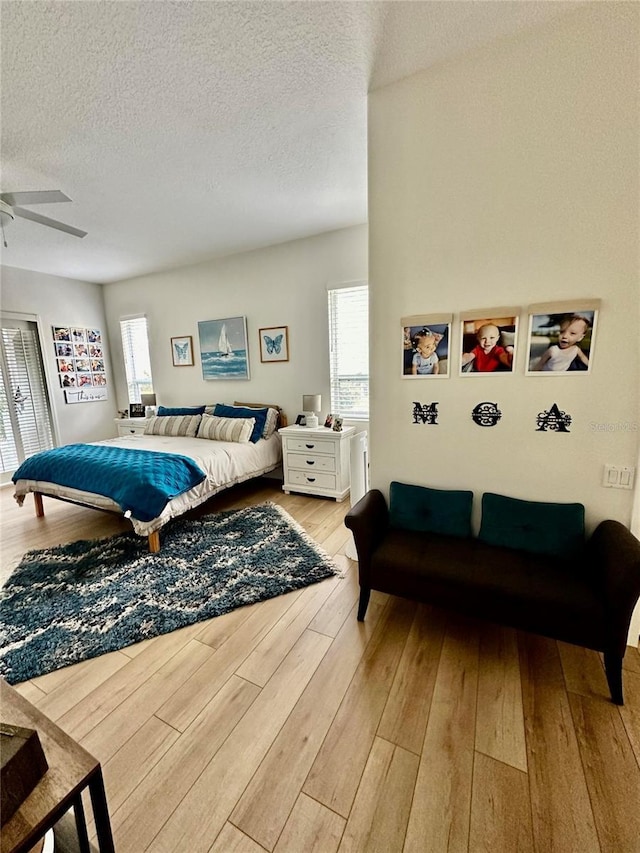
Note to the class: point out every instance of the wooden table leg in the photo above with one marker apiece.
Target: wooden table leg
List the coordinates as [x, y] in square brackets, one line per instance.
[101, 813]
[37, 499]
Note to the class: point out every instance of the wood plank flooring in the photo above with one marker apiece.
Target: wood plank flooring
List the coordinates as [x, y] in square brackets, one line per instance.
[287, 726]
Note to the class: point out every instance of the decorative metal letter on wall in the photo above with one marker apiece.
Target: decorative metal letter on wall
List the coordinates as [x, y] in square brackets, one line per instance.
[553, 419]
[486, 414]
[425, 413]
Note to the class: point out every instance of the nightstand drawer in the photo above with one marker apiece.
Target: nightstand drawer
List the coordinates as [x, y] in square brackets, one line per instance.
[311, 462]
[130, 426]
[311, 478]
[310, 445]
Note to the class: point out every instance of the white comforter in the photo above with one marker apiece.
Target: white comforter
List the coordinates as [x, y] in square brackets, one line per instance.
[224, 462]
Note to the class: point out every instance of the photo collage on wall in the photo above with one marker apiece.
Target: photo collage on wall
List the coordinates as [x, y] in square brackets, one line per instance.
[80, 363]
[560, 342]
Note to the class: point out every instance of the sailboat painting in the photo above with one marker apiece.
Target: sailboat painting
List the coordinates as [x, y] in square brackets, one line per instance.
[223, 348]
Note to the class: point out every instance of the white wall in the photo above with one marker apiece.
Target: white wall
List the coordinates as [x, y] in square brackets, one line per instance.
[510, 177]
[59, 301]
[283, 285]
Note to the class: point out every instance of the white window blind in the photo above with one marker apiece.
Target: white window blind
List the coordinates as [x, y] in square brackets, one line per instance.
[349, 351]
[25, 422]
[137, 363]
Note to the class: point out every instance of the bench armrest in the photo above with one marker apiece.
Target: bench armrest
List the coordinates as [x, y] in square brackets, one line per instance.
[369, 521]
[615, 560]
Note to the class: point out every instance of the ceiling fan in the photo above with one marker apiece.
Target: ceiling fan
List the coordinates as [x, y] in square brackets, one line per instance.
[10, 207]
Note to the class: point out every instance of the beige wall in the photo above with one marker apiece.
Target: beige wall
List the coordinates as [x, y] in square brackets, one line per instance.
[283, 285]
[510, 177]
[57, 301]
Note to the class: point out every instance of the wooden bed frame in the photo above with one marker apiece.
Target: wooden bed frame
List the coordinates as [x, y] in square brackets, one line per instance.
[153, 538]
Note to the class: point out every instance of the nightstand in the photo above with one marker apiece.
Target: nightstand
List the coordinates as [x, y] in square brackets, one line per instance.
[130, 426]
[316, 461]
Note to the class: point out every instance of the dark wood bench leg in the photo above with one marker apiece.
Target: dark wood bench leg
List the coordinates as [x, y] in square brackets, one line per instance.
[154, 541]
[364, 603]
[37, 499]
[613, 668]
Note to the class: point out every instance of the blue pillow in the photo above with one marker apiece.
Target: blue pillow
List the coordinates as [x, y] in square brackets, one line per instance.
[442, 511]
[552, 529]
[260, 415]
[188, 410]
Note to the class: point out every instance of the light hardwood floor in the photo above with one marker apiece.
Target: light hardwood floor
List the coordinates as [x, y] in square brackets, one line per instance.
[288, 726]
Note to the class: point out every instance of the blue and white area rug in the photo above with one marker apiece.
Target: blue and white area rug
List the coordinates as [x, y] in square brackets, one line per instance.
[66, 604]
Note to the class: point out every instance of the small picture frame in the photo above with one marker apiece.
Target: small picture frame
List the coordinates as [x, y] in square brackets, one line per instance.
[136, 410]
[426, 346]
[182, 351]
[337, 424]
[329, 421]
[488, 339]
[274, 343]
[562, 338]
[301, 420]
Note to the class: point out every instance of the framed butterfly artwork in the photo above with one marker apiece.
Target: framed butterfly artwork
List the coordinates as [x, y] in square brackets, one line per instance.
[182, 351]
[274, 343]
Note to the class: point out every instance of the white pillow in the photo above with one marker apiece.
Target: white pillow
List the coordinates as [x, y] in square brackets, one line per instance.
[270, 423]
[226, 429]
[176, 425]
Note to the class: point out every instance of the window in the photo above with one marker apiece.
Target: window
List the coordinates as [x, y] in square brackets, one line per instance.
[25, 418]
[349, 351]
[137, 364]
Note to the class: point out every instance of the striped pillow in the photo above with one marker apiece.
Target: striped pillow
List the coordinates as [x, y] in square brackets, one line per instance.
[173, 425]
[226, 429]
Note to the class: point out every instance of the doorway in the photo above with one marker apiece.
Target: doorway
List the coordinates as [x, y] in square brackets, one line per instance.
[25, 411]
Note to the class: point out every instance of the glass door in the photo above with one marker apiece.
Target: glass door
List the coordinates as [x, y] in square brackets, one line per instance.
[25, 413]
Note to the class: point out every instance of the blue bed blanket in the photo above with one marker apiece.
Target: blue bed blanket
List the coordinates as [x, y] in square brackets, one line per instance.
[140, 481]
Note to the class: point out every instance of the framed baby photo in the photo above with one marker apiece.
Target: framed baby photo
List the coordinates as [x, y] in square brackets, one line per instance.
[182, 351]
[488, 339]
[562, 338]
[274, 343]
[426, 346]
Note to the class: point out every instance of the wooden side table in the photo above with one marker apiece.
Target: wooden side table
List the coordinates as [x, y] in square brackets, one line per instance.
[71, 770]
[130, 426]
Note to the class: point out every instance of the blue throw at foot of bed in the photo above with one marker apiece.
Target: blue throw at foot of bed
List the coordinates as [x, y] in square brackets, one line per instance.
[139, 481]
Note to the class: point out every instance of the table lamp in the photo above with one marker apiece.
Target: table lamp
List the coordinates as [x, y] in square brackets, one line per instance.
[149, 402]
[311, 403]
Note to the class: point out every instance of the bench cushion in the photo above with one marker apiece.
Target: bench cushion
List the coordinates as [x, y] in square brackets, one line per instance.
[418, 508]
[552, 529]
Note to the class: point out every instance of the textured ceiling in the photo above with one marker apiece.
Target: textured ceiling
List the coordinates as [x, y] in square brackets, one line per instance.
[189, 130]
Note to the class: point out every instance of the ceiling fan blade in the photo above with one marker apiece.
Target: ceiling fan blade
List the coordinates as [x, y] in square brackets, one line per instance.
[52, 223]
[42, 197]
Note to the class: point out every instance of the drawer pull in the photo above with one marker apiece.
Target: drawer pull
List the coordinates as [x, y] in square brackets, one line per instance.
[311, 462]
[309, 446]
[311, 479]
[132, 431]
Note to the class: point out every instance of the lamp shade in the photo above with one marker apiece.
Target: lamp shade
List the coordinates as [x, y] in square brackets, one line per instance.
[148, 399]
[311, 402]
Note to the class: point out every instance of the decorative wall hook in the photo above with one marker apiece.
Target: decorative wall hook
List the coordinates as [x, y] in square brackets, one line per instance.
[486, 414]
[553, 419]
[425, 413]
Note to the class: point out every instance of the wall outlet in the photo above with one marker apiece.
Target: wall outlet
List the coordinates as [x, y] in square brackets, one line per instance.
[618, 477]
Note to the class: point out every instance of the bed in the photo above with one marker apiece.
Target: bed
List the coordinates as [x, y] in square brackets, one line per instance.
[220, 464]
